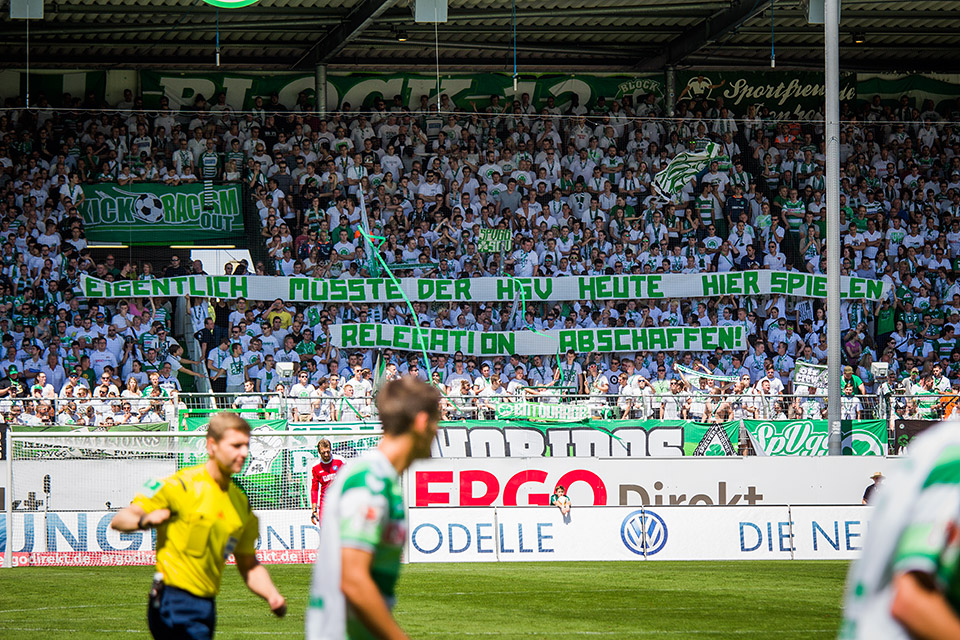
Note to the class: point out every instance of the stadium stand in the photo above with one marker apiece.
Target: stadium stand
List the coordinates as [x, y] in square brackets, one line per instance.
[572, 188]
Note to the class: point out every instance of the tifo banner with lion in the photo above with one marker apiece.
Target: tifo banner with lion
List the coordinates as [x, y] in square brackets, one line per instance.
[142, 213]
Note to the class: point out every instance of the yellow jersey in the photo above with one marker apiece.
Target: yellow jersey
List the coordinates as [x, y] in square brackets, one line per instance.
[206, 525]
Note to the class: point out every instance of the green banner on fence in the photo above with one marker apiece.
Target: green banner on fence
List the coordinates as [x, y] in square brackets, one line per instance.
[592, 439]
[145, 213]
[811, 437]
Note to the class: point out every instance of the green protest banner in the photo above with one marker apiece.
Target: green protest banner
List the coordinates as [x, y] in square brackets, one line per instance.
[810, 437]
[594, 438]
[794, 95]
[147, 213]
[361, 89]
[379, 290]
[505, 343]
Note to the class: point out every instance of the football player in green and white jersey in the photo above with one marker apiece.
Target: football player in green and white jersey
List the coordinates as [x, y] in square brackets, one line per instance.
[364, 526]
[906, 584]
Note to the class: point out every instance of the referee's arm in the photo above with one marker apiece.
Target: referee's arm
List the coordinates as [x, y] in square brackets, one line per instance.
[257, 578]
[135, 518]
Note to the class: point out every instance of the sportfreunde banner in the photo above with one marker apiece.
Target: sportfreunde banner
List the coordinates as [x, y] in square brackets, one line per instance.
[380, 290]
[156, 213]
[590, 439]
[505, 343]
[811, 437]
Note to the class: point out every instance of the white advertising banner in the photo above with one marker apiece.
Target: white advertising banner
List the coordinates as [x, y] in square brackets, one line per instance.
[490, 534]
[516, 534]
[483, 482]
[85, 538]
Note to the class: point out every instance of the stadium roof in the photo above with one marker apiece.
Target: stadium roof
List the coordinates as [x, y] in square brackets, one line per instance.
[552, 35]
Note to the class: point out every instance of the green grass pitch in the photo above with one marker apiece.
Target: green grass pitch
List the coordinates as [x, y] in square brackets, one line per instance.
[621, 600]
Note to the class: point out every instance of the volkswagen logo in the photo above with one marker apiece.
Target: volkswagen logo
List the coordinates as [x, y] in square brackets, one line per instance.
[644, 528]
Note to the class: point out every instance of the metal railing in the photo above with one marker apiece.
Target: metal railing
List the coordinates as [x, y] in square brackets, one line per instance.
[361, 409]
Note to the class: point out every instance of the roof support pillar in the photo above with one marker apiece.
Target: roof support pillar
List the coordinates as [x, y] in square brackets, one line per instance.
[320, 89]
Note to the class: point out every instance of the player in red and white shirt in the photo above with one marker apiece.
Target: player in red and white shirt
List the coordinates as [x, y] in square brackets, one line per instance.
[323, 475]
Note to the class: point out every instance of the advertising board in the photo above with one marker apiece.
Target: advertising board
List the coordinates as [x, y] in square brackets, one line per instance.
[481, 482]
[521, 534]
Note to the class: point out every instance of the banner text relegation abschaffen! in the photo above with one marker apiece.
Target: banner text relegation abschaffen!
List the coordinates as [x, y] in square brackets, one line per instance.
[504, 343]
[380, 290]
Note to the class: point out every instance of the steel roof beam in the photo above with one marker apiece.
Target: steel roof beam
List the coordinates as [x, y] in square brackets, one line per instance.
[362, 16]
[698, 36]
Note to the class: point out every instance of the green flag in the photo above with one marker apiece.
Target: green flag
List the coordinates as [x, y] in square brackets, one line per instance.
[684, 166]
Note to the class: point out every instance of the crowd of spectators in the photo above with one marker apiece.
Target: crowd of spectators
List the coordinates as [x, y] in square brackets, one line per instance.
[573, 185]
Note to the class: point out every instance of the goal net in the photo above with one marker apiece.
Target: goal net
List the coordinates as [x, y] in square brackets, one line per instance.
[66, 487]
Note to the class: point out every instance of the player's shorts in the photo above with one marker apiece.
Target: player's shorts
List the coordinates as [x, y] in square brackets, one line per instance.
[182, 615]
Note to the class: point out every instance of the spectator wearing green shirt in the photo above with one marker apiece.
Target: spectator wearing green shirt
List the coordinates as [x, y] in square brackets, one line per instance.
[849, 377]
[307, 347]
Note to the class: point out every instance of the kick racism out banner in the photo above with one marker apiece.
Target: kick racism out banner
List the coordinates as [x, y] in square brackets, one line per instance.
[505, 343]
[811, 437]
[592, 439]
[380, 290]
[361, 89]
[155, 213]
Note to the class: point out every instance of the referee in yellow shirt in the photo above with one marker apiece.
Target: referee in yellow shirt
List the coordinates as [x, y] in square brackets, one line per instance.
[201, 518]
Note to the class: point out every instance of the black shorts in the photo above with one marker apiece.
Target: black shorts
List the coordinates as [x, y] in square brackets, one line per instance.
[182, 615]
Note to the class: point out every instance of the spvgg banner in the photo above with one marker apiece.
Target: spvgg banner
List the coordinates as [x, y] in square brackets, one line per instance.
[596, 439]
[155, 213]
[811, 437]
[360, 89]
[795, 95]
[378, 290]
[505, 343]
